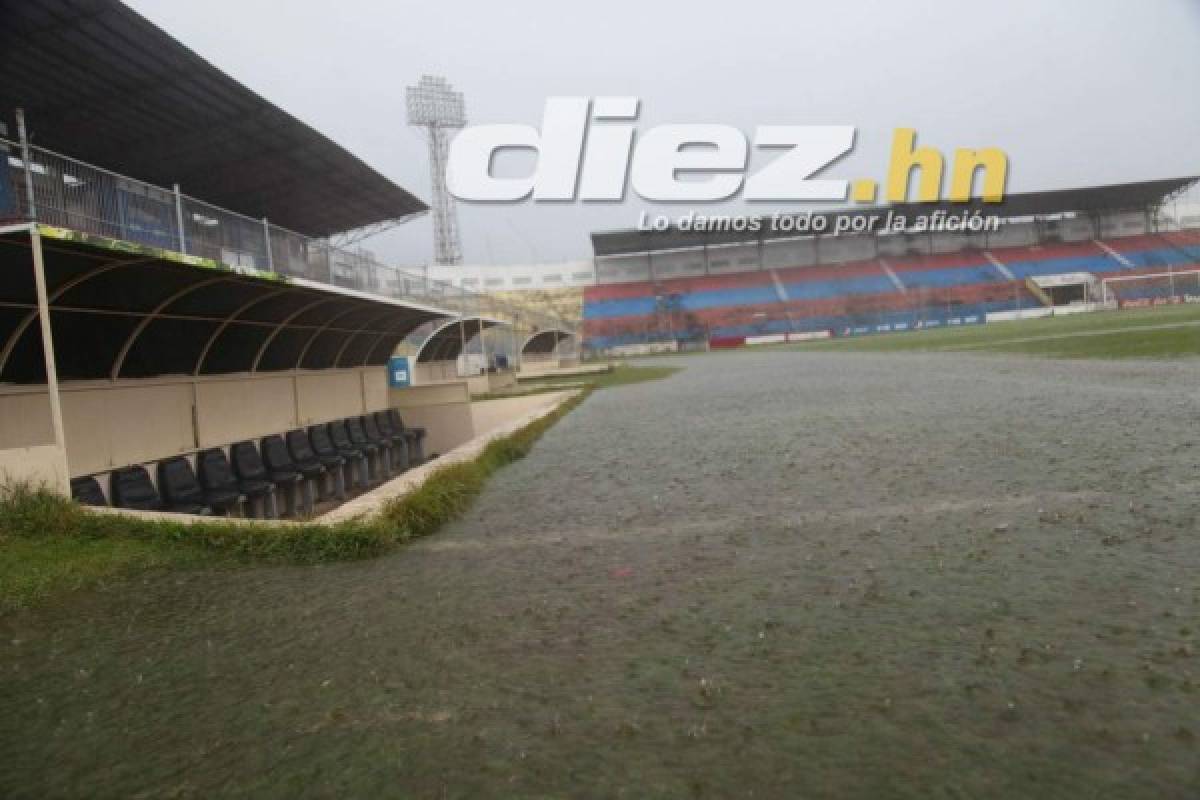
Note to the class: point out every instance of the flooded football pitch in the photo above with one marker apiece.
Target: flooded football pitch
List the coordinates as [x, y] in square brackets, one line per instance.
[776, 574]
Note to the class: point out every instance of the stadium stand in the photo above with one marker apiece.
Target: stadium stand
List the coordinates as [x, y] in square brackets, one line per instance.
[928, 282]
[172, 292]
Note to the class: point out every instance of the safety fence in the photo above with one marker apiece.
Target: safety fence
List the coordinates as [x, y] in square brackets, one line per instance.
[64, 192]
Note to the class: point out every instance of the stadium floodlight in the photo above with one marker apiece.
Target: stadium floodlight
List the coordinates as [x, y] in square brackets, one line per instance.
[437, 109]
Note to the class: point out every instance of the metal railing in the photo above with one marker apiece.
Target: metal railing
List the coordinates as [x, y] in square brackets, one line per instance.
[69, 193]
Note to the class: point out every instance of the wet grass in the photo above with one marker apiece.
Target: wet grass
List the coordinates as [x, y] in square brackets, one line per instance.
[1165, 332]
[619, 375]
[845, 594]
[50, 545]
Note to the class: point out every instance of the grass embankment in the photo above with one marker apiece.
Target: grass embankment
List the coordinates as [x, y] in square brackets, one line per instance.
[49, 545]
[1164, 332]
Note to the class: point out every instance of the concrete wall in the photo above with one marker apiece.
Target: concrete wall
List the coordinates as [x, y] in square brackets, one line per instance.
[501, 380]
[39, 464]
[539, 363]
[443, 409]
[434, 372]
[111, 425]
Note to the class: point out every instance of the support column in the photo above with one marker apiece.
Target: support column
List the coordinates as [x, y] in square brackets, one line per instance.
[60, 439]
[267, 240]
[179, 220]
[462, 338]
[27, 160]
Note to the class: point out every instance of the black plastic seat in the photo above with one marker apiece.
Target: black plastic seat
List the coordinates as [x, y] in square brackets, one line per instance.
[330, 441]
[303, 456]
[180, 490]
[278, 461]
[341, 440]
[131, 488]
[253, 478]
[416, 437]
[399, 440]
[86, 490]
[323, 446]
[221, 490]
[358, 436]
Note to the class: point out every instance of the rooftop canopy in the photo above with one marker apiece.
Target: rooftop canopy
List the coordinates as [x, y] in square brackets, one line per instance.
[120, 311]
[544, 342]
[101, 83]
[1060, 201]
[447, 341]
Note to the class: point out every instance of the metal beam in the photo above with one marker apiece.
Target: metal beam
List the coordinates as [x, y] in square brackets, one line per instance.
[119, 361]
[226, 322]
[262, 349]
[19, 331]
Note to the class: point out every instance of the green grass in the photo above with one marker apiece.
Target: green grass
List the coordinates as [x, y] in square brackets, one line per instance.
[620, 375]
[1166, 332]
[50, 545]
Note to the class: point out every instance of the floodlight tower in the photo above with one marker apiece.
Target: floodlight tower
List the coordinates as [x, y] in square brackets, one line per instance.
[436, 108]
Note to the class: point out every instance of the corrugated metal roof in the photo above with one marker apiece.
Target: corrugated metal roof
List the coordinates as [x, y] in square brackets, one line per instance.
[101, 83]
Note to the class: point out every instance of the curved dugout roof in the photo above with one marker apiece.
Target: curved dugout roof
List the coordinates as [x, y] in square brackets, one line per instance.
[138, 314]
[101, 83]
[446, 342]
[544, 342]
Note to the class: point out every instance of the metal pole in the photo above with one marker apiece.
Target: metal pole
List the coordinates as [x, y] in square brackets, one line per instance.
[39, 275]
[483, 344]
[462, 337]
[27, 160]
[267, 239]
[179, 220]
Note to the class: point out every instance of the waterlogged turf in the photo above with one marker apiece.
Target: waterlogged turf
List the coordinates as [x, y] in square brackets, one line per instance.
[1164, 332]
[782, 574]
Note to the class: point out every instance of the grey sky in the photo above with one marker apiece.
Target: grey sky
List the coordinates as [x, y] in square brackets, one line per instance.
[1078, 92]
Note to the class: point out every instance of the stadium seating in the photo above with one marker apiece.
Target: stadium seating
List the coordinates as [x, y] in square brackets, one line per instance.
[86, 490]
[339, 433]
[179, 488]
[316, 468]
[358, 438]
[376, 437]
[891, 293]
[253, 479]
[299, 459]
[416, 438]
[398, 439]
[131, 488]
[221, 490]
[285, 475]
[342, 460]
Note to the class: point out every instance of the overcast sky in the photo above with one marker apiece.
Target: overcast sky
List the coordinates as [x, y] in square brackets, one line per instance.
[1078, 92]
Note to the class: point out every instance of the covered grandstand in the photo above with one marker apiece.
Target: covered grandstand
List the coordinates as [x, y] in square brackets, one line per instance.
[170, 288]
[723, 287]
